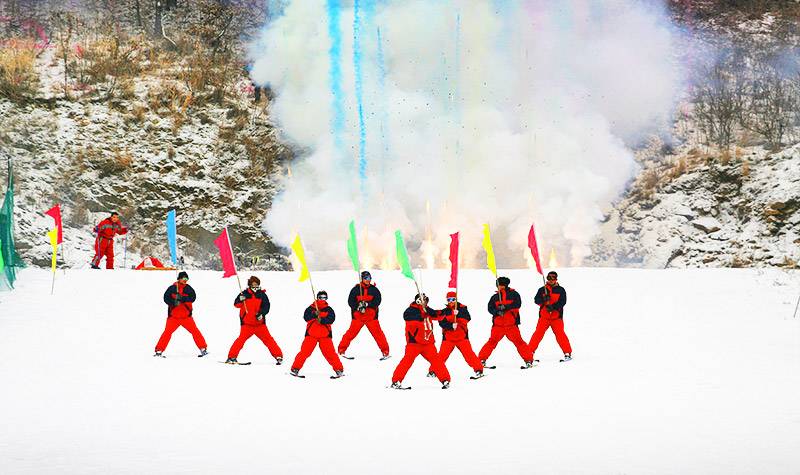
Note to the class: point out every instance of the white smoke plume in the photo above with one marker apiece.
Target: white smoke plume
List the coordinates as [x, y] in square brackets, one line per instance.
[475, 111]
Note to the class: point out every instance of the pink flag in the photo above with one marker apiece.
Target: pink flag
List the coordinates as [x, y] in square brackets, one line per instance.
[223, 242]
[534, 249]
[55, 213]
[454, 261]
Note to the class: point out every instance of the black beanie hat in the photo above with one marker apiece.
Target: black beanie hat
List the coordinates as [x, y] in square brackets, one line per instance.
[365, 274]
[503, 281]
[182, 275]
[321, 294]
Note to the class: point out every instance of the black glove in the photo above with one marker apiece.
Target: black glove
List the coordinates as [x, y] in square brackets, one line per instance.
[260, 317]
[242, 297]
[550, 308]
[501, 307]
[316, 313]
[362, 306]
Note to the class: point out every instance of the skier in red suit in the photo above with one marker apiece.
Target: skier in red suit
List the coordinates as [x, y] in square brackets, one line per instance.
[364, 300]
[551, 300]
[253, 306]
[179, 298]
[456, 335]
[104, 243]
[319, 317]
[504, 306]
[420, 341]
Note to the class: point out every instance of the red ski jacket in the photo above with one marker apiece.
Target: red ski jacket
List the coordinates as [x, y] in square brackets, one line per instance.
[460, 332]
[256, 304]
[107, 229]
[364, 293]
[512, 301]
[319, 328]
[556, 299]
[419, 329]
[179, 298]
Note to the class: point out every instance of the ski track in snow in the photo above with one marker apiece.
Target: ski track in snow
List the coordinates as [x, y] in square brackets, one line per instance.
[676, 371]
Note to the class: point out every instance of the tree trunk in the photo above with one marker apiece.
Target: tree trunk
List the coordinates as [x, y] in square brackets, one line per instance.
[158, 28]
[138, 14]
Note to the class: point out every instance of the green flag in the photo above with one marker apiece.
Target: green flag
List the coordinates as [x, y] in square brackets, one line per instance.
[10, 259]
[352, 247]
[2, 263]
[402, 256]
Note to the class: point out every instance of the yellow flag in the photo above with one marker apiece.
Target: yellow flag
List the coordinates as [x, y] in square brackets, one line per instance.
[297, 248]
[487, 244]
[53, 235]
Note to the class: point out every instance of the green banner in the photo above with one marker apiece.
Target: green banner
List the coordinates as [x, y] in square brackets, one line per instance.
[352, 247]
[402, 256]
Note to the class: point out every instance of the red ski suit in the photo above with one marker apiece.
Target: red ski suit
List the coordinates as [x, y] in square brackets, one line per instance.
[457, 336]
[104, 243]
[505, 323]
[179, 298]
[252, 315]
[371, 296]
[554, 297]
[318, 332]
[420, 341]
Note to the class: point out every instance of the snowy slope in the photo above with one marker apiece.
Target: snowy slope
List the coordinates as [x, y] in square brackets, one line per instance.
[676, 371]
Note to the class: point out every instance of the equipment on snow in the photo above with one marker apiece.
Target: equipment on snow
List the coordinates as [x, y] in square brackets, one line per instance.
[159, 354]
[398, 385]
[445, 384]
[203, 352]
[338, 375]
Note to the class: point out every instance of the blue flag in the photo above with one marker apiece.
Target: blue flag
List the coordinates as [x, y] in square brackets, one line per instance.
[171, 237]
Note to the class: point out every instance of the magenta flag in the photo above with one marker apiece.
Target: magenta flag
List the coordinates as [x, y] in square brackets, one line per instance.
[454, 261]
[55, 213]
[534, 249]
[223, 242]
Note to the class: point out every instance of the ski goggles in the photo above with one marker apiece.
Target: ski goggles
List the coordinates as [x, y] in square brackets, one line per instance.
[451, 299]
[549, 277]
[322, 297]
[255, 287]
[367, 278]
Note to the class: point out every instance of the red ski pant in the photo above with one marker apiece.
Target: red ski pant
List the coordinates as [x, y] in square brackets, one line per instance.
[557, 324]
[466, 351]
[513, 335]
[262, 333]
[103, 247]
[374, 328]
[428, 351]
[172, 325]
[325, 346]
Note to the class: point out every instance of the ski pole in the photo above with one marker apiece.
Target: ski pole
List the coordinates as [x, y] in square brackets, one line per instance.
[796, 306]
[125, 251]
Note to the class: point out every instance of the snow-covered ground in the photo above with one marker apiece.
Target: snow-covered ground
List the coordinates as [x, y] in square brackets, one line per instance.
[675, 371]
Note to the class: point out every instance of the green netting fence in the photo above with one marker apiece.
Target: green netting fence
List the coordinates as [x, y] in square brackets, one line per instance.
[10, 261]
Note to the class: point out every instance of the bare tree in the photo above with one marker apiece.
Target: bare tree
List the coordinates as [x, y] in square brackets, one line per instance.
[771, 103]
[718, 99]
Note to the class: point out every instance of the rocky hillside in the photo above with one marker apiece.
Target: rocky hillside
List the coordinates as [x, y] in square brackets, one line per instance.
[695, 209]
[138, 127]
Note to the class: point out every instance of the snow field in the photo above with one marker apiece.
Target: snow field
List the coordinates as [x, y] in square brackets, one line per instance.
[690, 371]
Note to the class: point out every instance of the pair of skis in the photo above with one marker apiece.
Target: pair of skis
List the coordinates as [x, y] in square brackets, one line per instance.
[302, 376]
[382, 358]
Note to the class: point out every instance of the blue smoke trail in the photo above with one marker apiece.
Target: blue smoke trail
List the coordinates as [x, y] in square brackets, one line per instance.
[335, 59]
[359, 86]
[384, 115]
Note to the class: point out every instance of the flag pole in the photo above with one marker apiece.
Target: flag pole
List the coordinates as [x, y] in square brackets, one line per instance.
[796, 307]
[228, 235]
